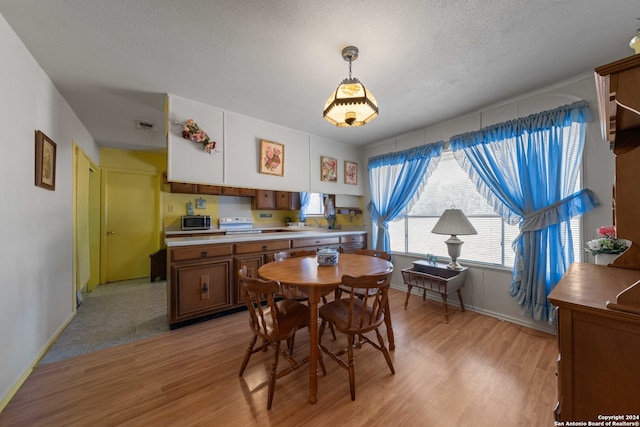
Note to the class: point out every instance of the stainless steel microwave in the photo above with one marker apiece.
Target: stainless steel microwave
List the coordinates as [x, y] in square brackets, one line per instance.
[196, 222]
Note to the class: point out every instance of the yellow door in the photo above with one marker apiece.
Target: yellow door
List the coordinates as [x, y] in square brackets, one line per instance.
[86, 221]
[94, 227]
[131, 224]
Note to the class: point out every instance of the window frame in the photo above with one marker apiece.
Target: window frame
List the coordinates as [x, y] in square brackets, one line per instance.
[576, 225]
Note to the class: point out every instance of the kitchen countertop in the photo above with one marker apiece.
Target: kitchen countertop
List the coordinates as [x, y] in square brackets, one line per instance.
[277, 233]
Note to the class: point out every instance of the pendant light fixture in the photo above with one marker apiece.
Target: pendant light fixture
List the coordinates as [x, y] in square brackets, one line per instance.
[351, 104]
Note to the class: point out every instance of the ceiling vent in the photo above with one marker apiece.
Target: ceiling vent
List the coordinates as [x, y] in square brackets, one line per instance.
[145, 127]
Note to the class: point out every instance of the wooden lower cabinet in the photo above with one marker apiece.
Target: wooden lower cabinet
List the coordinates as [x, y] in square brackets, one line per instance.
[349, 244]
[199, 288]
[599, 348]
[200, 281]
[203, 279]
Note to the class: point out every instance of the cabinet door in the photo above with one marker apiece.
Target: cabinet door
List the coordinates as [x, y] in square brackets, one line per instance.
[253, 263]
[264, 200]
[198, 289]
[286, 200]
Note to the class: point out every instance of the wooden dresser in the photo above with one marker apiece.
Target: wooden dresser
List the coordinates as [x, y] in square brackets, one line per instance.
[618, 88]
[599, 348]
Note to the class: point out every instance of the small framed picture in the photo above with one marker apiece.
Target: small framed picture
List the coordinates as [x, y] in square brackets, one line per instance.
[45, 162]
[350, 173]
[328, 169]
[201, 203]
[271, 158]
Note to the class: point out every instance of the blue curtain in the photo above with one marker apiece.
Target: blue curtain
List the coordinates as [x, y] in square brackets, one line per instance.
[527, 171]
[396, 180]
[304, 204]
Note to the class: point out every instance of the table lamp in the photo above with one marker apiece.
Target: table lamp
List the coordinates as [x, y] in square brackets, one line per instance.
[455, 223]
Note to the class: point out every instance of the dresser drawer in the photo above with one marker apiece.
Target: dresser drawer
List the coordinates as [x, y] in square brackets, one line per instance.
[200, 252]
[264, 246]
[321, 241]
[355, 238]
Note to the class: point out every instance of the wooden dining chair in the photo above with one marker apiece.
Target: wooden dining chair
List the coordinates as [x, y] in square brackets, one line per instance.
[375, 253]
[272, 320]
[354, 316]
[294, 293]
[360, 292]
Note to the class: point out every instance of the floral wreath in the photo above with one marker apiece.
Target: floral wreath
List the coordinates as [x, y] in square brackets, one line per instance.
[192, 132]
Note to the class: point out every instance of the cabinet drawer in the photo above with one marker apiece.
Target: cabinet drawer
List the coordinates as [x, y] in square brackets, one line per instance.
[230, 191]
[181, 187]
[356, 238]
[208, 189]
[322, 241]
[252, 247]
[200, 252]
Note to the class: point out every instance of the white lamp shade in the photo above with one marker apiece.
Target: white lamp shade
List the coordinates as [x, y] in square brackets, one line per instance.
[454, 222]
[351, 104]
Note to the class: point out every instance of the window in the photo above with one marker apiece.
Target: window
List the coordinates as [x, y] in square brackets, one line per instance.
[449, 186]
[316, 205]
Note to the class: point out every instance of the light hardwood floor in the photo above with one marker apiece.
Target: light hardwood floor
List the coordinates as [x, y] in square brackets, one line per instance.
[474, 371]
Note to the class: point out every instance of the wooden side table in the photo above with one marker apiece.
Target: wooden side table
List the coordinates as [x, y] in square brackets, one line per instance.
[437, 278]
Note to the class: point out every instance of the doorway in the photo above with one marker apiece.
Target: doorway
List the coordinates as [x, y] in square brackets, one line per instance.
[131, 223]
[86, 199]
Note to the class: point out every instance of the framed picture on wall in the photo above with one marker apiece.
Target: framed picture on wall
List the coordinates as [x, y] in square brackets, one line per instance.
[45, 161]
[328, 169]
[271, 158]
[350, 173]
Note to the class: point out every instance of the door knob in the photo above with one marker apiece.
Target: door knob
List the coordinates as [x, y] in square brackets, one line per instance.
[110, 233]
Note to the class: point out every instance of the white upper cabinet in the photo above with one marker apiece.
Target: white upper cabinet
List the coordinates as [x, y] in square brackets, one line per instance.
[242, 156]
[236, 159]
[186, 160]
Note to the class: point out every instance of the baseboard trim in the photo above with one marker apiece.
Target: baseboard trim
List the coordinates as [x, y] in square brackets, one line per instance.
[550, 329]
[6, 399]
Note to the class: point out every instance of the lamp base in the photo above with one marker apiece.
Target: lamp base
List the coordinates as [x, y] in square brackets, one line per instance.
[454, 247]
[453, 265]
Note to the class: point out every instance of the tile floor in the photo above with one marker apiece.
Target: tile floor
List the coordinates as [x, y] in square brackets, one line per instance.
[112, 314]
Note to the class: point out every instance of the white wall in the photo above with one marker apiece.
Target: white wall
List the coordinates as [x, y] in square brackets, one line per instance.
[487, 289]
[35, 224]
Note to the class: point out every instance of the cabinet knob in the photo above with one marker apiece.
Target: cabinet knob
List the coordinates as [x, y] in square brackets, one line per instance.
[264, 248]
[203, 254]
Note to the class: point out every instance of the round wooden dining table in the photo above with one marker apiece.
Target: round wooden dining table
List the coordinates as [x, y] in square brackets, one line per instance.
[315, 280]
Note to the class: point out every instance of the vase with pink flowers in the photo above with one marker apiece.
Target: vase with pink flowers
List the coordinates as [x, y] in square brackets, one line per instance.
[606, 246]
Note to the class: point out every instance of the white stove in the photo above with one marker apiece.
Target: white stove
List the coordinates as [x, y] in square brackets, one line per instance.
[237, 225]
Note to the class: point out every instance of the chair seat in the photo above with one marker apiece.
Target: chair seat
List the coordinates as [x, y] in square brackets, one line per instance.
[359, 292]
[293, 315]
[294, 293]
[337, 312]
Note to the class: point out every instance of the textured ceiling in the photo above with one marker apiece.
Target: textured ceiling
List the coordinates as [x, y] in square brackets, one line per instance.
[425, 61]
